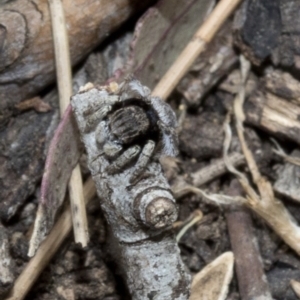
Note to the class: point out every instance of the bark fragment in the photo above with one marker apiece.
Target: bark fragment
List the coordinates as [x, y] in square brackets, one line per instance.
[269, 29]
[215, 63]
[274, 115]
[282, 84]
[22, 147]
[248, 263]
[287, 183]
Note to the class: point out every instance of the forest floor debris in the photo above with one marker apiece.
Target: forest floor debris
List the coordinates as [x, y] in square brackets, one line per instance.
[271, 110]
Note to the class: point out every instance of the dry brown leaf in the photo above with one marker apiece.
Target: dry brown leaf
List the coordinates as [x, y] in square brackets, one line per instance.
[212, 282]
[36, 103]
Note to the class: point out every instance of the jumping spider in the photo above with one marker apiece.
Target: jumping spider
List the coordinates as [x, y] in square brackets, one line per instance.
[131, 125]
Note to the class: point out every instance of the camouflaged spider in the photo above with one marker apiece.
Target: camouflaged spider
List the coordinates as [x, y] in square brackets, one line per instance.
[130, 125]
[124, 130]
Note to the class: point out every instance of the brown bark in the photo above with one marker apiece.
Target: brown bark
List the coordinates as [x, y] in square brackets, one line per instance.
[27, 58]
[248, 263]
[274, 114]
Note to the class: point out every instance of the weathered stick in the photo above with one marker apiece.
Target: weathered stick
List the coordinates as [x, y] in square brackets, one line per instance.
[181, 187]
[216, 169]
[64, 82]
[202, 37]
[273, 114]
[48, 248]
[217, 60]
[252, 280]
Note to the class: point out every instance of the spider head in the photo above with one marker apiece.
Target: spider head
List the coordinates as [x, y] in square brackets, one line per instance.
[129, 123]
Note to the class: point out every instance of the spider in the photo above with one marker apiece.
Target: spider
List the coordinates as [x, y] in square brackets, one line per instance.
[132, 125]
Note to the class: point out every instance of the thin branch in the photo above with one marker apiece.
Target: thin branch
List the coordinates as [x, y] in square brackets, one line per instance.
[249, 268]
[198, 215]
[64, 82]
[214, 170]
[217, 199]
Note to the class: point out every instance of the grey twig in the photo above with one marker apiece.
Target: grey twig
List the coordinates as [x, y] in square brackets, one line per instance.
[124, 131]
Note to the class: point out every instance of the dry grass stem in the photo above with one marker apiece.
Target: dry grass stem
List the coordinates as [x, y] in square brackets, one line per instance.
[62, 54]
[217, 199]
[64, 82]
[264, 204]
[280, 152]
[296, 287]
[48, 248]
[197, 45]
[240, 117]
[198, 215]
[241, 177]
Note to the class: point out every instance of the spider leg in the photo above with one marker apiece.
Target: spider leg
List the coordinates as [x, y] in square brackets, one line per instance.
[112, 149]
[93, 107]
[97, 117]
[125, 158]
[97, 111]
[143, 160]
[101, 133]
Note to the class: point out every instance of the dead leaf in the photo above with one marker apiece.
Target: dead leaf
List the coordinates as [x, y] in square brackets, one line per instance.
[212, 282]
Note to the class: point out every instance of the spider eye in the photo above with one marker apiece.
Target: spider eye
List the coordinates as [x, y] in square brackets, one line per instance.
[129, 123]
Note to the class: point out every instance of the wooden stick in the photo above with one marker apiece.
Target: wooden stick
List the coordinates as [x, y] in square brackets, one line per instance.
[197, 45]
[217, 168]
[48, 248]
[249, 268]
[64, 81]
